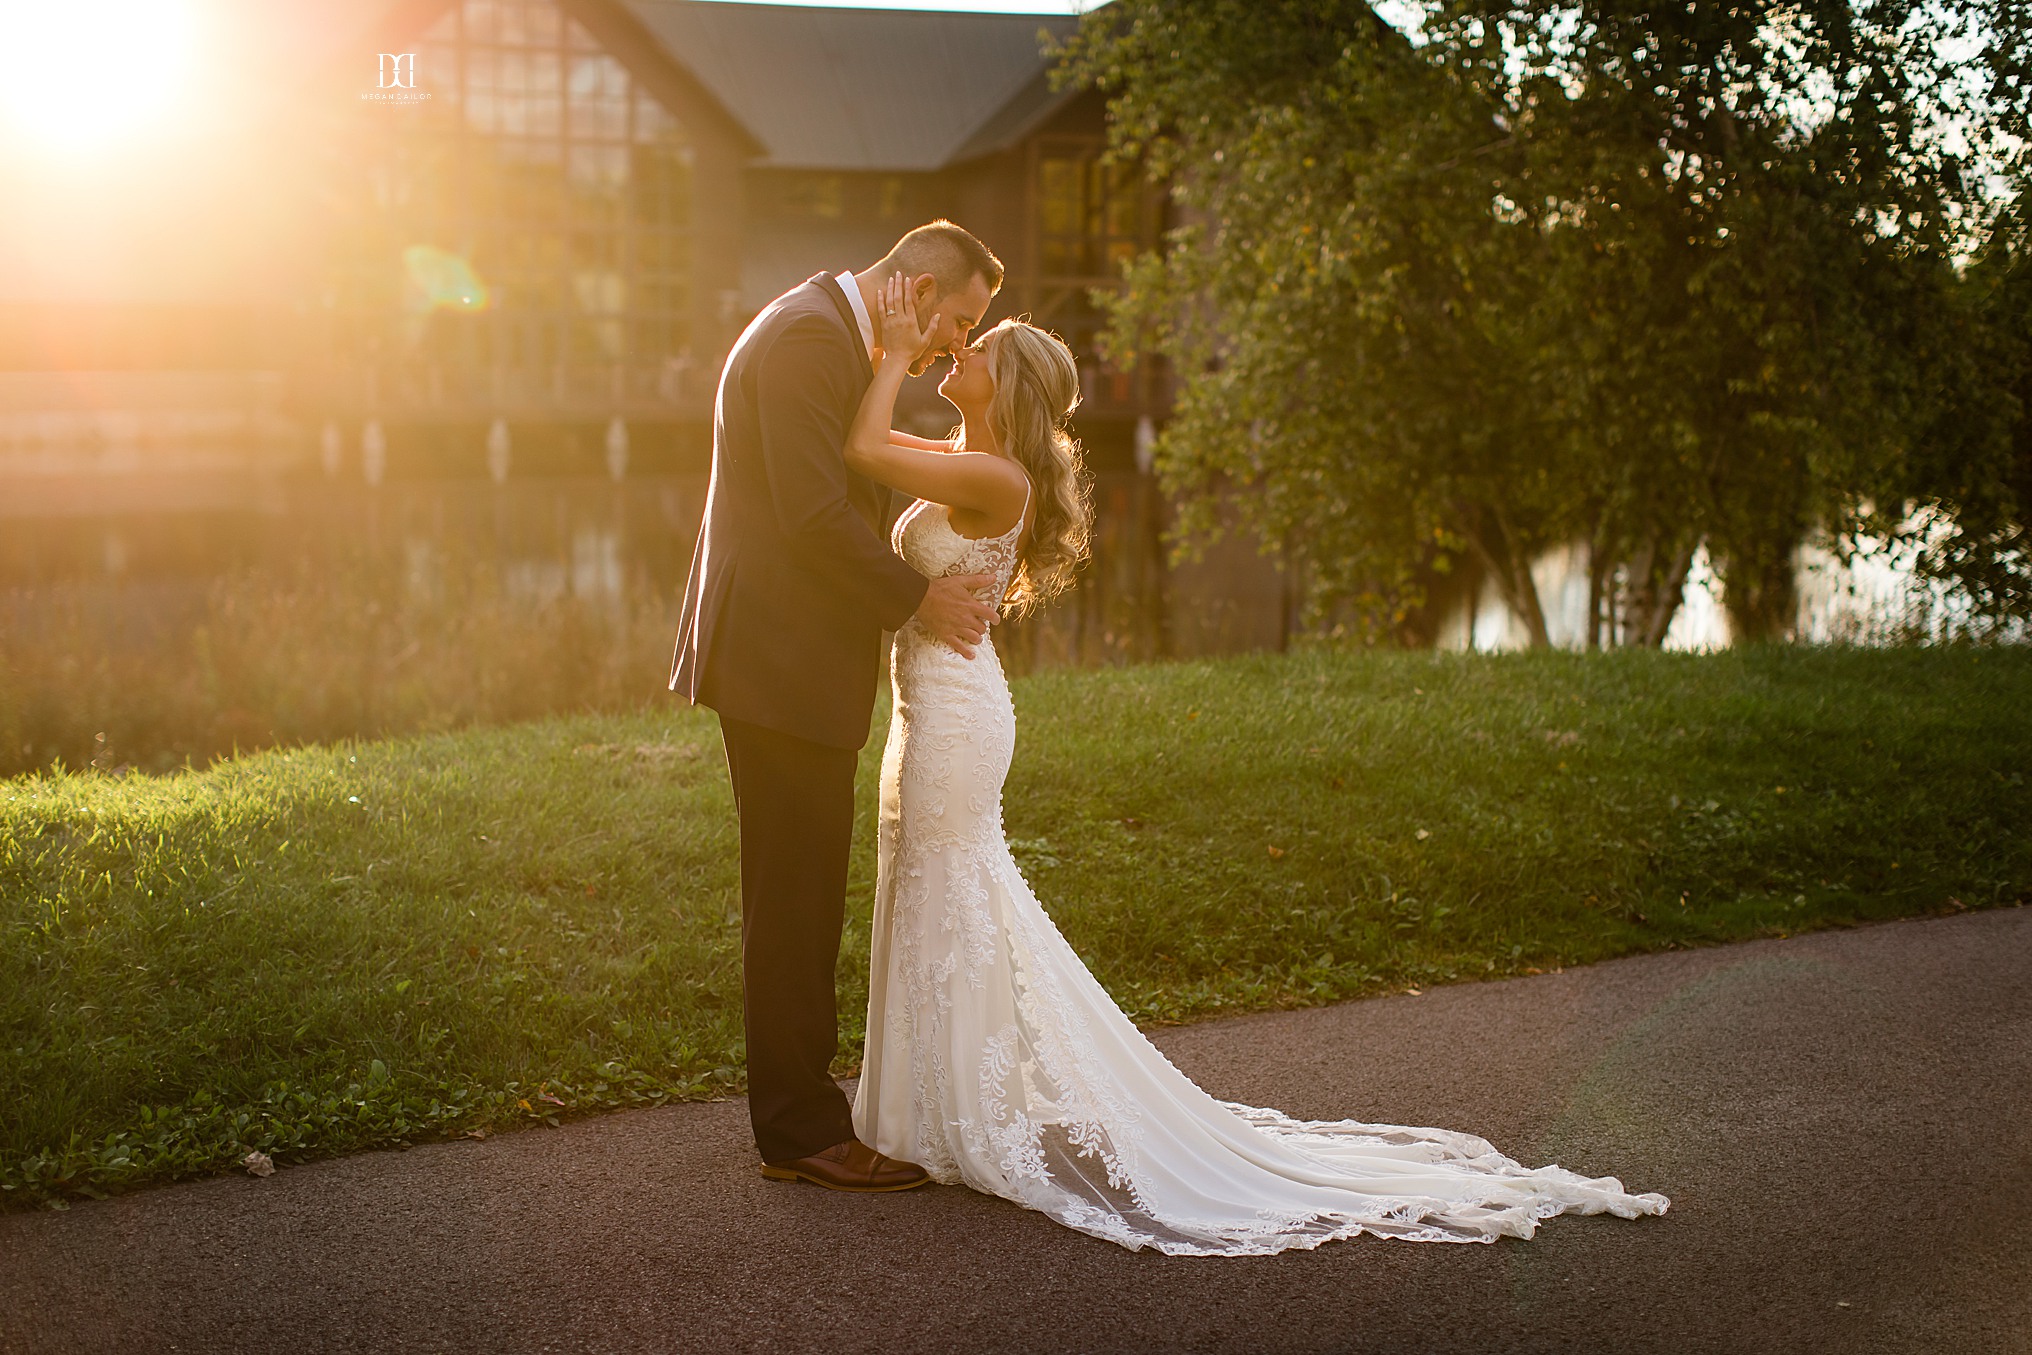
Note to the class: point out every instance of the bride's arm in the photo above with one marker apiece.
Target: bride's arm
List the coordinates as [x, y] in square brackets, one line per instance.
[921, 444]
[986, 484]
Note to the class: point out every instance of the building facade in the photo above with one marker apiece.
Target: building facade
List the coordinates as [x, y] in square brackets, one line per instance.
[509, 242]
[598, 194]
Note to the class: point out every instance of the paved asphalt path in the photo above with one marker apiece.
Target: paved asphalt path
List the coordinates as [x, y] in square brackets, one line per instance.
[1842, 1120]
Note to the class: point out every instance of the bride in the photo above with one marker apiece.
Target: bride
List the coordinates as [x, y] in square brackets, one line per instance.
[994, 1058]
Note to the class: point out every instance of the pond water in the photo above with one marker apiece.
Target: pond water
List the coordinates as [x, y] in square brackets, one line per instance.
[1876, 598]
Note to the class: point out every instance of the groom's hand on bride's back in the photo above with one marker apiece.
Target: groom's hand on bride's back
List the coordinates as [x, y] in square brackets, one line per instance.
[953, 610]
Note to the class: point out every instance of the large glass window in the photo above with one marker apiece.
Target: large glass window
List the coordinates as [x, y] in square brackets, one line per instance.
[527, 232]
[1089, 219]
[1090, 215]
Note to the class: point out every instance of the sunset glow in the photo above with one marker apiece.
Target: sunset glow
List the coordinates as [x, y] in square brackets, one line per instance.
[92, 73]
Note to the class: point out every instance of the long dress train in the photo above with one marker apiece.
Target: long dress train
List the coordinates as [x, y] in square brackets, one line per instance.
[994, 1058]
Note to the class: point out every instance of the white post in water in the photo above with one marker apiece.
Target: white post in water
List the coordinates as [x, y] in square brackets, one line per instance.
[497, 451]
[617, 447]
[373, 452]
[331, 448]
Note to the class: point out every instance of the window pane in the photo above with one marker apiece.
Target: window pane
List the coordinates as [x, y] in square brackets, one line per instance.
[545, 74]
[437, 65]
[651, 121]
[582, 238]
[598, 168]
[818, 195]
[546, 116]
[542, 23]
[511, 23]
[1089, 214]
[1059, 196]
[593, 250]
[1122, 210]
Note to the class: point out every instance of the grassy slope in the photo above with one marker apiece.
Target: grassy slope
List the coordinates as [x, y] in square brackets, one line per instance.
[320, 949]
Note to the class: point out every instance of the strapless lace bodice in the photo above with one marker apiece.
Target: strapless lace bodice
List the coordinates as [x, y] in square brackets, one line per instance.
[925, 538]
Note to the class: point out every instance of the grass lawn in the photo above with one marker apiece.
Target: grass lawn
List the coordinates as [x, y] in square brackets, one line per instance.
[314, 950]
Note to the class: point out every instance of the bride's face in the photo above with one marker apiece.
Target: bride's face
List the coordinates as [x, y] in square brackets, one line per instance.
[969, 384]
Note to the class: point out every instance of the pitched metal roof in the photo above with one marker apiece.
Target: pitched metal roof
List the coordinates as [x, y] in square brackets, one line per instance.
[863, 89]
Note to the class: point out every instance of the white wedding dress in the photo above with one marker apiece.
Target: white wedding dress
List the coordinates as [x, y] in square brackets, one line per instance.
[994, 1058]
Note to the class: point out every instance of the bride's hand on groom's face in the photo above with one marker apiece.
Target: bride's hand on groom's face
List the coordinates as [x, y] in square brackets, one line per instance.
[902, 336]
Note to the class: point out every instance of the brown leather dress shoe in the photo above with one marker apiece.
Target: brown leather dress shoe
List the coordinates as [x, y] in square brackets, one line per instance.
[851, 1165]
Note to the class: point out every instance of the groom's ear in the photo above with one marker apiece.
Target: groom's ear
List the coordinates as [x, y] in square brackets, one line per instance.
[924, 288]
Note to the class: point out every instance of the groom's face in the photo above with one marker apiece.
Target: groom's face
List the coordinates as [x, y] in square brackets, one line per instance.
[954, 316]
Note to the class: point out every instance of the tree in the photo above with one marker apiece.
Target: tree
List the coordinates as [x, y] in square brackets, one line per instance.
[1646, 277]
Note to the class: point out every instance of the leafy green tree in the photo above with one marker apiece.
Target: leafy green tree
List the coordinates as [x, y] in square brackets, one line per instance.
[1644, 276]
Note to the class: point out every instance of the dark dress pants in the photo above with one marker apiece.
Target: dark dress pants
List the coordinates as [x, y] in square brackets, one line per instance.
[795, 799]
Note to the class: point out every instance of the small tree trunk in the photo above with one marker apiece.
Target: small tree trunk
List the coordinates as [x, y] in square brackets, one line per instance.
[1597, 572]
[1528, 605]
[1668, 599]
[1637, 605]
[1493, 542]
[1524, 587]
[1760, 593]
[1288, 594]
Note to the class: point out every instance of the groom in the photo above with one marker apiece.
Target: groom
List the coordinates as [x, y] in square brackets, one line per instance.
[791, 588]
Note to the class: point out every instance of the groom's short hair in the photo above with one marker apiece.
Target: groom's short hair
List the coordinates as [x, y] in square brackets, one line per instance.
[952, 254]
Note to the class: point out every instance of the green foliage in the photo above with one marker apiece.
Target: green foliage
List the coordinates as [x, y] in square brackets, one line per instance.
[1640, 276]
[1984, 540]
[316, 950]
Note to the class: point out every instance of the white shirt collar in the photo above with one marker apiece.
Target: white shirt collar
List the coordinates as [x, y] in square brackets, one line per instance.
[853, 291]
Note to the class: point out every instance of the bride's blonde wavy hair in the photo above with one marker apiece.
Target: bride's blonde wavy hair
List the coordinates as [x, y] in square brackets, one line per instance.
[1036, 390]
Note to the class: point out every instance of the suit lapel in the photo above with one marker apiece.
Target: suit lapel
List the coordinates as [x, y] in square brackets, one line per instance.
[830, 285]
[869, 499]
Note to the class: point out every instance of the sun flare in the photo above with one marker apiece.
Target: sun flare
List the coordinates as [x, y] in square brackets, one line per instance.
[88, 73]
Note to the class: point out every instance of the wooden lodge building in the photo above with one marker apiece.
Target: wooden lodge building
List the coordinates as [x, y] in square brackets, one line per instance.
[437, 250]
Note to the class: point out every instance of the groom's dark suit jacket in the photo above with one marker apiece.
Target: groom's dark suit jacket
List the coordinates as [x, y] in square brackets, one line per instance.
[791, 583]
